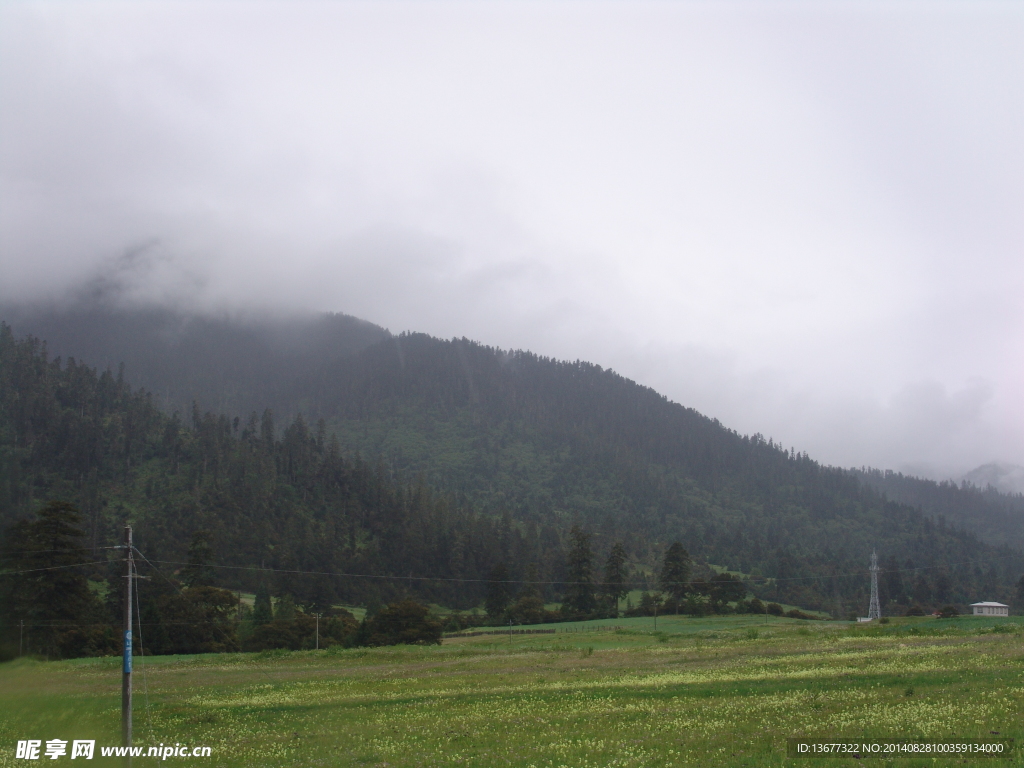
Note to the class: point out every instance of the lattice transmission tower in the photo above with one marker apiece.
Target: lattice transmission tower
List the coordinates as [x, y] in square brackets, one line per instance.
[874, 610]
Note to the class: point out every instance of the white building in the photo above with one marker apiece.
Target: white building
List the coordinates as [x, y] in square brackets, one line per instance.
[990, 609]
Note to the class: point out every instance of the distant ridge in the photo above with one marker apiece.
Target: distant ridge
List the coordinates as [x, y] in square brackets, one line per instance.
[227, 363]
[1006, 478]
[530, 442]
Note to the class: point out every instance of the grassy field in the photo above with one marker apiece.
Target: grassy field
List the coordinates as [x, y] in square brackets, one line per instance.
[709, 692]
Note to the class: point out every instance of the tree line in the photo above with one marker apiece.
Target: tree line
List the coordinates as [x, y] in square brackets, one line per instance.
[277, 500]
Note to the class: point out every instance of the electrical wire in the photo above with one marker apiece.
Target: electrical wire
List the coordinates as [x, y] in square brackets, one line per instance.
[762, 579]
[54, 568]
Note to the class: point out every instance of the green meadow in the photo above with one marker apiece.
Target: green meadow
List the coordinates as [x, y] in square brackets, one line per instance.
[725, 691]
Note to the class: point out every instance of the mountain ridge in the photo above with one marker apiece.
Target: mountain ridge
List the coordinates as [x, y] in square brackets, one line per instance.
[542, 442]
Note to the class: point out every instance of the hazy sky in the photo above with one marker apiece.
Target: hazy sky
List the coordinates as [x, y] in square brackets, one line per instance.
[806, 220]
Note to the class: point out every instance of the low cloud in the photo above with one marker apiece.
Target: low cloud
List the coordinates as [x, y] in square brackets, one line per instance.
[801, 221]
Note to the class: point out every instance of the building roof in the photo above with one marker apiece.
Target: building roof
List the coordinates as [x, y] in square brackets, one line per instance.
[989, 605]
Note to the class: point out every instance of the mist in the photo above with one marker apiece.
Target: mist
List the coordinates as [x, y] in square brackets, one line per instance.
[802, 221]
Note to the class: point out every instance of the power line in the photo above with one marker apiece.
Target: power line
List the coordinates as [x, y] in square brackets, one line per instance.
[71, 549]
[454, 579]
[54, 568]
[764, 579]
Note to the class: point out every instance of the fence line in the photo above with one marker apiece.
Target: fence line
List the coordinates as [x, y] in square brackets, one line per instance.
[532, 631]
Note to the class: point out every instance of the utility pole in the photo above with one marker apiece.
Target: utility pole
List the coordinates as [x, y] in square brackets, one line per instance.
[318, 615]
[510, 631]
[126, 672]
[874, 609]
[655, 615]
[21, 638]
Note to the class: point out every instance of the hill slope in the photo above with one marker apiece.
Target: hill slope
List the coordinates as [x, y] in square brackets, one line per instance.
[535, 443]
[227, 364]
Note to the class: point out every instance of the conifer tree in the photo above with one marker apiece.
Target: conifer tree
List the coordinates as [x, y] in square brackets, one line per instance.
[198, 572]
[285, 608]
[262, 613]
[579, 593]
[499, 592]
[614, 586]
[675, 572]
[51, 595]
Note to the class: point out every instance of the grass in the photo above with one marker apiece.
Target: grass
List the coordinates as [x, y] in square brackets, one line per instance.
[723, 691]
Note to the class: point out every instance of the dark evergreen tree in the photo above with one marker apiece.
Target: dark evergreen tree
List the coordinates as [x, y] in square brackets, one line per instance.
[922, 590]
[285, 608]
[674, 577]
[892, 582]
[262, 612]
[200, 554]
[499, 593]
[579, 591]
[943, 588]
[614, 586]
[49, 590]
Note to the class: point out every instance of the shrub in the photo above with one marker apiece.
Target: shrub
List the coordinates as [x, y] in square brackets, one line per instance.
[796, 614]
[406, 622]
[915, 610]
[948, 612]
[774, 609]
[697, 605]
[337, 627]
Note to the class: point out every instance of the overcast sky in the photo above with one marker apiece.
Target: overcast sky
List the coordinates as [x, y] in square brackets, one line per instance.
[806, 220]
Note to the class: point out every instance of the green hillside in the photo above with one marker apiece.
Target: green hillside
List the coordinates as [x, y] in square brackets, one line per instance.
[440, 458]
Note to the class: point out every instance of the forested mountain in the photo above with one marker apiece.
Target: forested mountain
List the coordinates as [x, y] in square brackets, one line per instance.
[995, 517]
[226, 364]
[438, 459]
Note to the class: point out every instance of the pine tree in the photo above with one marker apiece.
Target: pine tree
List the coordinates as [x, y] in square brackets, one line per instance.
[614, 586]
[198, 572]
[285, 608]
[675, 572]
[499, 592]
[262, 613]
[53, 597]
[579, 593]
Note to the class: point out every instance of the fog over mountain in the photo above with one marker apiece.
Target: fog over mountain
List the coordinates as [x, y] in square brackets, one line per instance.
[802, 221]
[1007, 478]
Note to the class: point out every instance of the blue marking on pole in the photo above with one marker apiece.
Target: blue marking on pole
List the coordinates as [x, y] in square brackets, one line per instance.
[127, 651]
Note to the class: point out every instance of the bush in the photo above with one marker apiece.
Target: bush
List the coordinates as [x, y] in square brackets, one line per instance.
[948, 612]
[649, 603]
[797, 614]
[697, 605]
[755, 606]
[774, 609]
[915, 610]
[529, 609]
[407, 623]
[337, 627]
[274, 635]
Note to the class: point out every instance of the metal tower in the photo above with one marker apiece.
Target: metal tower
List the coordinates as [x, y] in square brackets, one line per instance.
[874, 610]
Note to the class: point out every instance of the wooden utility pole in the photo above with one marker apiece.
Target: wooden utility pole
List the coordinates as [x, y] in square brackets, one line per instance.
[126, 672]
[21, 638]
[318, 615]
